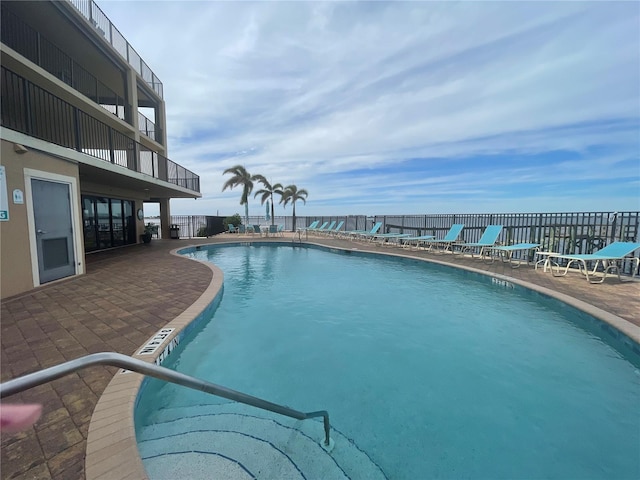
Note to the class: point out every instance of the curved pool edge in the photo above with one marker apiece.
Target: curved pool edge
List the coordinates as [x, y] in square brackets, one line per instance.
[112, 451]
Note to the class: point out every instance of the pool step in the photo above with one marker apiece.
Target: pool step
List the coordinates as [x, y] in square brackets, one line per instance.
[232, 441]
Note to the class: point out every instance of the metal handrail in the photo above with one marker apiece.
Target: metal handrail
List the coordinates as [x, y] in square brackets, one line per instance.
[34, 379]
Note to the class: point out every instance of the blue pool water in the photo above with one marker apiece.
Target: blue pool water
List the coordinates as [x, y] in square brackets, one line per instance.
[433, 372]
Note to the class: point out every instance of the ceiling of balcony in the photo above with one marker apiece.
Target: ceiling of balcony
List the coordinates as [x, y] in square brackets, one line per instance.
[119, 183]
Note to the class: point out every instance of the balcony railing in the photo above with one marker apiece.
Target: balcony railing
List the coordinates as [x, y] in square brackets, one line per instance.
[32, 45]
[149, 128]
[96, 17]
[29, 109]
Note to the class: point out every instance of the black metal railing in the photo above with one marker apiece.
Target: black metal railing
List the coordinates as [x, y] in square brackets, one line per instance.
[566, 233]
[29, 43]
[32, 110]
[149, 128]
[101, 23]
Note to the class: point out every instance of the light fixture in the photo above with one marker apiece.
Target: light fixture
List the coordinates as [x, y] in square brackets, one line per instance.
[19, 148]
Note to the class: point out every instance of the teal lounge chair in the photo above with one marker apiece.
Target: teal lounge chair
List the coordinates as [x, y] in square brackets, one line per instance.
[324, 228]
[363, 233]
[242, 229]
[407, 242]
[489, 238]
[505, 252]
[610, 257]
[336, 230]
[443, 244]
[232, 228]
[320, 228]
[388, 238]
[281, 230]
[273, 230]
[313, 225]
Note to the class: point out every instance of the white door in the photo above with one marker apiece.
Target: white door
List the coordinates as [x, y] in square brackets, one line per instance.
[53, 228]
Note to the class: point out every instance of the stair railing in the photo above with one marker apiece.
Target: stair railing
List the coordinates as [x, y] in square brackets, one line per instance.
[34, 379]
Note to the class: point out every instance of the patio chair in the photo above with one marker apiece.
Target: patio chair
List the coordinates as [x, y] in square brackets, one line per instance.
[489, 238]
[313, 225]
[320, 228]
[281, 230]
[409, 240]
[610, 256]
[326, 228]
[242, 229]
[364, 234]
[232, 228]
[442, 244]
[388, 238]
[336, 230]
[256, 229]
[273, 229]
[505, 252]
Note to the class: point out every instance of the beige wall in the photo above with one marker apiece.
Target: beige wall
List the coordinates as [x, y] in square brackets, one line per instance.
[16, 265]
[15, 255]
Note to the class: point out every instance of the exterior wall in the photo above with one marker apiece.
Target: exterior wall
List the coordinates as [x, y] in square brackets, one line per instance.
[15, 254]
[59, 27]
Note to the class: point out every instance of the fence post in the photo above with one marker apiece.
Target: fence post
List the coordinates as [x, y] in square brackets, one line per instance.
[613, 226]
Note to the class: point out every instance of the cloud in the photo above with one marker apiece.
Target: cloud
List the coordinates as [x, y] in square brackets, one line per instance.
[363, 103]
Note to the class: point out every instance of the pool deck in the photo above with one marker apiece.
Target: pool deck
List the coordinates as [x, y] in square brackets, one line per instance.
[125, 297]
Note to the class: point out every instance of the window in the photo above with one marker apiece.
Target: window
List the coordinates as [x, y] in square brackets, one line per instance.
[108, 222]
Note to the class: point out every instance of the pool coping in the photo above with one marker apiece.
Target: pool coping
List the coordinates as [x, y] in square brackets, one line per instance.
[112, 451]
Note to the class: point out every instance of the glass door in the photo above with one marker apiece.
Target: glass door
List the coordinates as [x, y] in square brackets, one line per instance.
[90, 225]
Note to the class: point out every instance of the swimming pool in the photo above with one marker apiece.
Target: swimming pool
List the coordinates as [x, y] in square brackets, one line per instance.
[432, 372]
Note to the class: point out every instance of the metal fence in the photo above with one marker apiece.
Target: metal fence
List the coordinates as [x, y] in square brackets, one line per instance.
[192, 226]
[567, 233]
[32, 45]
[30, 109]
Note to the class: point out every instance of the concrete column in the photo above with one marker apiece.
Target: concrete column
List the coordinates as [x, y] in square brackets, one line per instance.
[131, 116]
[161, 121]
[165, 216]
[132, 101]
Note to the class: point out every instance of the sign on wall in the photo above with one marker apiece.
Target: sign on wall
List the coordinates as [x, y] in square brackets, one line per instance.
[4, 201]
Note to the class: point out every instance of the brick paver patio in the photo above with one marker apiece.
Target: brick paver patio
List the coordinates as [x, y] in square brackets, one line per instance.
[125, 297]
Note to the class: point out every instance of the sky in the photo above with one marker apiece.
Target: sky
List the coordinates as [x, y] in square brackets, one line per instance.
[381, 108]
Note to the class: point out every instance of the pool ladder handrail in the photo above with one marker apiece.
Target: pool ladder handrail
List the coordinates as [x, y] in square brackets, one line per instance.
[113, 359]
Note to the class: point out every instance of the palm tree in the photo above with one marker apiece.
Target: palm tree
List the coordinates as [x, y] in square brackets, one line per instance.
[291, 195]
[240, 178]
[267, 192]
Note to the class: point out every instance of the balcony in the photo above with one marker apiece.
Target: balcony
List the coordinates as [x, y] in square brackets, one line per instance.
[32, 110]
[101, 23]
[32, 45]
